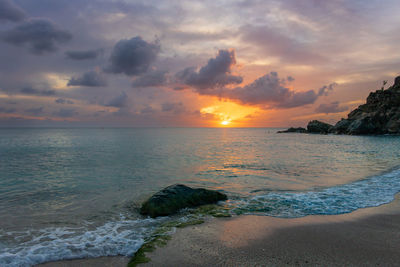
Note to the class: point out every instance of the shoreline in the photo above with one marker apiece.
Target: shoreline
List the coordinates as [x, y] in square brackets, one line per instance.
[369, 236]
[366, 237]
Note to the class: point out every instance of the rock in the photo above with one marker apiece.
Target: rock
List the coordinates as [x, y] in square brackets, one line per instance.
[294, 130]
[319, 127]
[397, 81]
[379, 115]
[175, 197]
[393, 126]
[363, 126]
[341, 127]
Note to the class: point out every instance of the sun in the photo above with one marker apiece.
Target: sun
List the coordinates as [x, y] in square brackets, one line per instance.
[224, 122]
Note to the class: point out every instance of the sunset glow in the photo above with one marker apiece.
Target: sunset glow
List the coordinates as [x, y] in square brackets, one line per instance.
[266, 64]
[229, 113]
[116, 116]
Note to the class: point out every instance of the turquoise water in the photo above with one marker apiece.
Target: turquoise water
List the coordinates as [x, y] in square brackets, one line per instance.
[72, 193]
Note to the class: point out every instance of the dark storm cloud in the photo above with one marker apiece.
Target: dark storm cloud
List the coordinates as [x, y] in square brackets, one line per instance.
[176, 108]
[65, 113]
[35, 111]
[216, 73]
[132, 57]
[333, 107]
[90, 78]
[119, 101]
[83, 55]
[151, 78]
[63, 101]
[39, 35]
[33, 91]
[272, 91]
[10, 12]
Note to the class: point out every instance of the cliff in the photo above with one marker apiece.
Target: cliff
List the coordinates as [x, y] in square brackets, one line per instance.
[379, 115]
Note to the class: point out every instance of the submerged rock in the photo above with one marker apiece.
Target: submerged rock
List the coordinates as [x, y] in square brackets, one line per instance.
[175, 197]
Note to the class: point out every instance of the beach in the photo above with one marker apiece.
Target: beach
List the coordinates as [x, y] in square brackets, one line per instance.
[201, 133]
[366, 237]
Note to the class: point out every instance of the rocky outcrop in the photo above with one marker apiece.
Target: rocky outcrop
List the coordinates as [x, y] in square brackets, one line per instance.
[175, 197]
[379, 115]
[294, 130]
[318, 127]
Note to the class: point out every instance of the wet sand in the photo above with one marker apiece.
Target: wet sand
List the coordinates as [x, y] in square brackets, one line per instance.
[367, 237]
[101, 261]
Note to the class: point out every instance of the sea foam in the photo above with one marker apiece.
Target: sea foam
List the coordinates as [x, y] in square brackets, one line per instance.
[371, 192]
[123, 237]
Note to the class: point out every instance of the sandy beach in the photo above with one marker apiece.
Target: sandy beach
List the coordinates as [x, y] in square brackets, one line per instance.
[367, 237]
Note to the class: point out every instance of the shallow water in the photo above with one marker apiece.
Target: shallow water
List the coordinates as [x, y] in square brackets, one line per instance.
[68, 193]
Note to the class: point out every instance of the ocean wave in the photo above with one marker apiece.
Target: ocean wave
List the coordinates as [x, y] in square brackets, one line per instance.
[125, 236]
[246, 167]
[370, 192]
[27, 248]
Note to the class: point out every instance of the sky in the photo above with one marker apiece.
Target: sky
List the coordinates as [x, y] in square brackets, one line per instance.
[219, 63]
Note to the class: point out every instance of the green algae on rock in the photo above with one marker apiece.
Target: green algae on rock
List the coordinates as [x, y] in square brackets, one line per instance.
[160, 238]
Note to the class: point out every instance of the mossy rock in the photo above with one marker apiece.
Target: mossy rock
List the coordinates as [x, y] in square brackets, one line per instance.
[213, 210]
[175, 197]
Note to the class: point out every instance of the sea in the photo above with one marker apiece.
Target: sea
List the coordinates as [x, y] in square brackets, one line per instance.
[70, 193]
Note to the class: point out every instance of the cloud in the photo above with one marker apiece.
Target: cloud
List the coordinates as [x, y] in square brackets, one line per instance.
[90, 78]
[324, 90]
[176, 108]
[35, 111]
[266, 89]
[151, 78]
[10, 12]
[290, 79]
[196, 36]
[132, 57]
[272, 42]
[217, 73]
[83, 55]
[63, 101]
[270, 90]
[147, 110]
[39, 35]
[333, 107]
[119, 101]
[7, 110]
[65, 113]
[33, 91]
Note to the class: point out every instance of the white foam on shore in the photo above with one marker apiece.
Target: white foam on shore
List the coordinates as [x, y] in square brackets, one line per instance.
[370, 192]
[31, 247]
